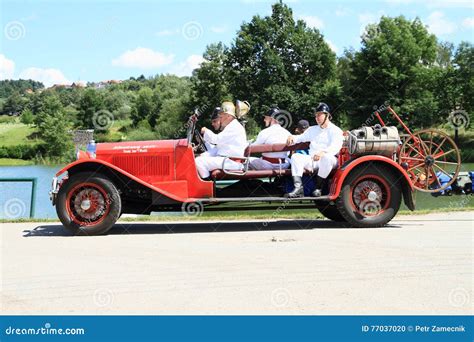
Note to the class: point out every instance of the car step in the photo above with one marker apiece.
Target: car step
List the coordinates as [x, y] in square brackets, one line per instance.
[260, 199]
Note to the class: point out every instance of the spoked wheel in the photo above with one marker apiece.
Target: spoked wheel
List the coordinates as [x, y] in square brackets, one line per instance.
[88, 204]
[429, 155]
[370, 197]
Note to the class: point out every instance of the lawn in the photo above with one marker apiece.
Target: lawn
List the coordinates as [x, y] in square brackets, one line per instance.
[16, 133]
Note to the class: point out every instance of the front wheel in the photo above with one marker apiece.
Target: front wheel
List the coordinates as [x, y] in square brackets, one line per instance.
[88, 204]
[370, 197]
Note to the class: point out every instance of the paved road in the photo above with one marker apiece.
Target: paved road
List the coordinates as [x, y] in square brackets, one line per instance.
[417, 265]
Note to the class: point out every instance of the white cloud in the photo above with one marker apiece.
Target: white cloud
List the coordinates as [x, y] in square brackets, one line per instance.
[186, 68]
[218, 29]
[332, 46]
[7, 68]
[143, 58]
[164, 33]
[468, 22]
[312, 21]
[48, 77]
[439, 25]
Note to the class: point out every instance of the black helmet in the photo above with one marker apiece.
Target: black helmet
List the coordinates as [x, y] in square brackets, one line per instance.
[272, 112]
[215, 113]
[322, 107]
[303, 124]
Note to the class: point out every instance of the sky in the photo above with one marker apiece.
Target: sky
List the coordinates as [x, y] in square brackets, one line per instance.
[60, 42]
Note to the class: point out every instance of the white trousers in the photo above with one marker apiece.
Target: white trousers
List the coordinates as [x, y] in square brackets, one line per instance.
[262, 164]
[205, 164]
[301, 162]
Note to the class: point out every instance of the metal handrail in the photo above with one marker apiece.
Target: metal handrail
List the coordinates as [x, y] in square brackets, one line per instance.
[34, 181]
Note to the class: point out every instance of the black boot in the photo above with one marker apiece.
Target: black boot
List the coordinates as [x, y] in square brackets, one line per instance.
[298, 191]
[320, 183]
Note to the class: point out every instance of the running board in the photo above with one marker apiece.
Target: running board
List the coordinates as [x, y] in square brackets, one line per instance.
[261, 199]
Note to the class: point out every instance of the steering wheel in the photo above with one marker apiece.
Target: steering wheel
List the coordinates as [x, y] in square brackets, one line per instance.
[200, 146]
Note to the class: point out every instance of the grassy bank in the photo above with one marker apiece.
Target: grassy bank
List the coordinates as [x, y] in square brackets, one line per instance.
[15, 162]
[303, 214]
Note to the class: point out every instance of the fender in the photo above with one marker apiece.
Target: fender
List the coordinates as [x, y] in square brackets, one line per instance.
[342, 173]
[117, 169]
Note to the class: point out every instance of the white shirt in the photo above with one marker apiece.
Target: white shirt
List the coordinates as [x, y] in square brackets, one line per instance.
[275, 134]
[328, 140]
[231, 142]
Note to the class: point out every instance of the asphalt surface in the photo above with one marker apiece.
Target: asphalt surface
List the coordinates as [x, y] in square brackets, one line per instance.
[416, 265]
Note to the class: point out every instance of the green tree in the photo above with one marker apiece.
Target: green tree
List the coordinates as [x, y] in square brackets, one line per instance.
[14, 103]
[209, 83]
[143, 106]
[394, 66]
[27, 117]
[90, 104]
[53, 125]
[464, 75]
[277, 60]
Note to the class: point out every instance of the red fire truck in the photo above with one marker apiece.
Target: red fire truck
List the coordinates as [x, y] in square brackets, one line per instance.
[377, 167]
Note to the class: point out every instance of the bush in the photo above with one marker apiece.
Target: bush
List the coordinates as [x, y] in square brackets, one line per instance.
[26, 152]
[27, 117]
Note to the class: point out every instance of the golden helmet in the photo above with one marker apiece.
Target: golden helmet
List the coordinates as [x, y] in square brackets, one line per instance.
[228, 108]
[242, 108]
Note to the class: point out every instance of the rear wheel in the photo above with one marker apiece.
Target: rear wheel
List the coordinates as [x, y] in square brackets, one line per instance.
[331, 212]
[370, 197]
[88, 204]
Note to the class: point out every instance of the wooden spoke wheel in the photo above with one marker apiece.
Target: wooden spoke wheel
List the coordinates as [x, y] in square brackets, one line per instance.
[429, 155]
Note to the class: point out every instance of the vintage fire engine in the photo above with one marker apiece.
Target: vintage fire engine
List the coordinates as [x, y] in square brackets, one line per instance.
[377, 168]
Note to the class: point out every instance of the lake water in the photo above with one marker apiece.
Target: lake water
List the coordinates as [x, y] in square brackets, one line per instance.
[15, 197]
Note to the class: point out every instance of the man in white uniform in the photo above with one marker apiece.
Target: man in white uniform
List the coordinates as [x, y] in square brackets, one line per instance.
[325, 143]
[216, 125]
[273, 134]
[230, 142]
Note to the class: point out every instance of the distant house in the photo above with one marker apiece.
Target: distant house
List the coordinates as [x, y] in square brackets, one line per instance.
[78, 85]
[104, 84]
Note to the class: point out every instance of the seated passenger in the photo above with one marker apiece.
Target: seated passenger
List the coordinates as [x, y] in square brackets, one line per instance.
[230, 142]
[272, 134]
[302, 126]
[325, 143]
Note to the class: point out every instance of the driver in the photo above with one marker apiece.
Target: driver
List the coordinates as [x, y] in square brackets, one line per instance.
[216, 125]
[230, 142]
[325, 143]
[274, 133]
